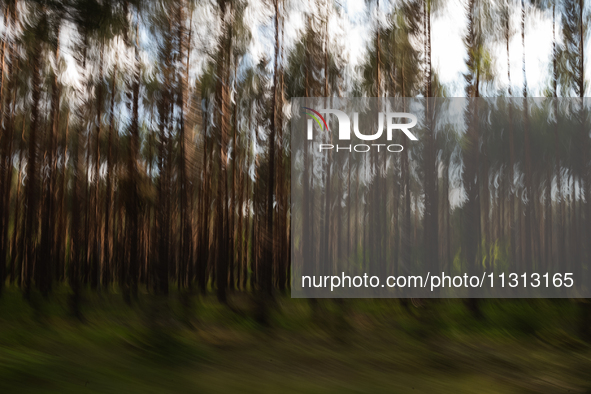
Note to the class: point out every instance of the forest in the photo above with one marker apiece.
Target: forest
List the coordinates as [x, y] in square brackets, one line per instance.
[362, 206]
[146, 175]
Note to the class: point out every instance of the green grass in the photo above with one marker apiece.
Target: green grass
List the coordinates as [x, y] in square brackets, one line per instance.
[358, 346]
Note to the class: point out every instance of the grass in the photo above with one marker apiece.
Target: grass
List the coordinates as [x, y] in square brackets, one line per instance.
[357, 346]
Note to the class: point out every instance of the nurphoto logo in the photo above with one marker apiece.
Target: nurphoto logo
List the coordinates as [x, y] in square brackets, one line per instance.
[344, 129]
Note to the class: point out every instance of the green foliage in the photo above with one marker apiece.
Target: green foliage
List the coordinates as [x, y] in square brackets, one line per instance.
[358, 345]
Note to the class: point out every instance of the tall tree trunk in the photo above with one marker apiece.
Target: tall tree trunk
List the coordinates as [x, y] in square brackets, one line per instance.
[107, 241]
[46, 256]
[204, 217]
[223, 102]
[266, 285]
[528, 217]
[32, 192]
[3, 170]
[76, 242]
[232, 209]
[164, 147]
[95, 257]
[431, 215]
[185, 193]
[7, 105]
[131, 202]
[510, 189]
[326, 260]
[471, 211]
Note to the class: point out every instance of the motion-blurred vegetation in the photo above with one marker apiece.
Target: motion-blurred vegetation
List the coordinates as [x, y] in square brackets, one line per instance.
[374, 346]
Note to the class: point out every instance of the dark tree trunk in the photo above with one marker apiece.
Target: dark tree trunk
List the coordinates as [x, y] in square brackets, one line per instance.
[32, 192]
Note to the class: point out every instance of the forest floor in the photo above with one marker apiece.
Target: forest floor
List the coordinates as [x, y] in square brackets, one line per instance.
[355, 346]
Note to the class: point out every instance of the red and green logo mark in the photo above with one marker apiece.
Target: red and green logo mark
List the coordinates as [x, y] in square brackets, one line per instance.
[315, 114]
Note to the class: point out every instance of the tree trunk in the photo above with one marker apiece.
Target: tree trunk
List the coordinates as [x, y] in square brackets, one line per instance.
[31, 198]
